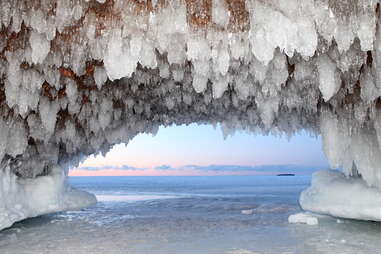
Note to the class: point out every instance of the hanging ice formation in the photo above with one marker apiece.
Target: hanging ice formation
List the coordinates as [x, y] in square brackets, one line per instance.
[77, 76]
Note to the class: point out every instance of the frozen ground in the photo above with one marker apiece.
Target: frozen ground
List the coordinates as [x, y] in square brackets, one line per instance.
[176, 215]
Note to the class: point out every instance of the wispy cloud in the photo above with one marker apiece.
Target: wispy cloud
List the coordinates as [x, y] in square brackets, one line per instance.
[260, 168]
[208, 169]
[106, 167]
[164, 167]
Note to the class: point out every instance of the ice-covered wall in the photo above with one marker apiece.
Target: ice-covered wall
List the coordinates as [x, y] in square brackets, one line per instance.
[77, 76]
[29, 197]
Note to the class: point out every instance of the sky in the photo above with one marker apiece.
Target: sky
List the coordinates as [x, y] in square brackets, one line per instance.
[202, 150]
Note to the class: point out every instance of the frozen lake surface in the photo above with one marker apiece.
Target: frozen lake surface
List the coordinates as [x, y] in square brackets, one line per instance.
[189, 215]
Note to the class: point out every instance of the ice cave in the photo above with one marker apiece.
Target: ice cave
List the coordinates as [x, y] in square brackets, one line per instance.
[79, 76]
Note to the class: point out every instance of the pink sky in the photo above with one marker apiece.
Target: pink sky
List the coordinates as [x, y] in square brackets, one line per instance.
[154, 172]
[203, 145]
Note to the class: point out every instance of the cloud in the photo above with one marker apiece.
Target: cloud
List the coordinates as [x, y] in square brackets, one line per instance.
[164, 167]
[126, 167]
[261, 168]
[105, 167]
[271, 169]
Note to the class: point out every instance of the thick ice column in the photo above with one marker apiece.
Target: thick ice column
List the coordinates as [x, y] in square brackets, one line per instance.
[353, 148]
[354, 192]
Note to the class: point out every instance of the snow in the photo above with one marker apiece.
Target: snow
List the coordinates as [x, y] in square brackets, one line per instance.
[272, 67]
[335, 194]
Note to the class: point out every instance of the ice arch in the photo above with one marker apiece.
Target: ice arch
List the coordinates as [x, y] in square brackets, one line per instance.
[78, 76]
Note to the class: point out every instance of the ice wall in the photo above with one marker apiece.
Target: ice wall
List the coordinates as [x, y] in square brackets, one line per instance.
[335, 194]
[78, 76]
[29, 197]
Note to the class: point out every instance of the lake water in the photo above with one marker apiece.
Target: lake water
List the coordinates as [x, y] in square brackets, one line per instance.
[189, 215]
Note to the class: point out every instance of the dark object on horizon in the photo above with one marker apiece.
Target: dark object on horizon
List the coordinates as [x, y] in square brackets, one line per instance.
[285, 174]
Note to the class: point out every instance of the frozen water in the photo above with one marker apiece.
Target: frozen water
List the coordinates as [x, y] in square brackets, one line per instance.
[329, 82]
[40, 47]
[333, 193]
[247, 211]
[303, 218]
[149, 211]
[25, 198]
[205, 217]
[77, 77]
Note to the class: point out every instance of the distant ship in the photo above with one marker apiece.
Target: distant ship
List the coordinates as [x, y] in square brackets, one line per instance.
[285, 174]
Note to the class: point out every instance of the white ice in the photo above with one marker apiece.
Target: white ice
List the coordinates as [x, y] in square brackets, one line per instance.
[335, 194]
[25, 198]
[303, 218]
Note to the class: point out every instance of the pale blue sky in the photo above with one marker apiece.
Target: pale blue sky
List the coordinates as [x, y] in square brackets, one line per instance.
[204, 145]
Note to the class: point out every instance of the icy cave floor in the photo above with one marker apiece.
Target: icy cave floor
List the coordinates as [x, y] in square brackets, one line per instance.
[57, 234]
[207, 220]
[331, 193]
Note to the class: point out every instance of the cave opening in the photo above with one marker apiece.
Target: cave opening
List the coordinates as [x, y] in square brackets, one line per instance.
[208, 147]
